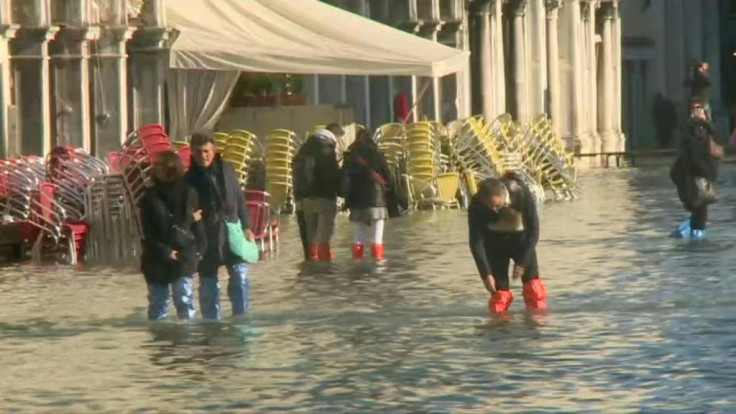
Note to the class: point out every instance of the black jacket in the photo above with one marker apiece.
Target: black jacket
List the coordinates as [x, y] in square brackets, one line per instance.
[486, 242]
[315, 170]
[162, 206]
[694, 160]
[221, 200]
[700, 85]
[364, 190]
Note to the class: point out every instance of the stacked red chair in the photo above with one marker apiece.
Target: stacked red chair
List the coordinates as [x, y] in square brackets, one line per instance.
[259, 212]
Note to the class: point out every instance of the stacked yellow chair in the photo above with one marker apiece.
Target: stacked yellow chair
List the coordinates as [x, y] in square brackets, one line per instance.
[221, 139]
[422, 162]
[392, 142]
[237, 152]
[280, 149]
[550, 160]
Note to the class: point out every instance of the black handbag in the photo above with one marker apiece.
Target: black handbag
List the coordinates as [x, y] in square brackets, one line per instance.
[706, 192]
[176, 236]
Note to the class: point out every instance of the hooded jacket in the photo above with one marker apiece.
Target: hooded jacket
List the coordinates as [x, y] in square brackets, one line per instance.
[364, 190]
[694, 160]
[315, 170]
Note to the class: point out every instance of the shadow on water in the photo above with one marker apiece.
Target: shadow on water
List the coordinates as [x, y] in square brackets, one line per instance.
[638, 322]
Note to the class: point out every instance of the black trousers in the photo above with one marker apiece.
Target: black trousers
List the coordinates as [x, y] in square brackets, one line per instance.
[500, 266]
[698, 217]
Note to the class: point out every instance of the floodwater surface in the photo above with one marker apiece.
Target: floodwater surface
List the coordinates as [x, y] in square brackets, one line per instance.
[637, 323]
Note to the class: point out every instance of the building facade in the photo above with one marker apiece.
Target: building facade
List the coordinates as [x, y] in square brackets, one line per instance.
[661, 39]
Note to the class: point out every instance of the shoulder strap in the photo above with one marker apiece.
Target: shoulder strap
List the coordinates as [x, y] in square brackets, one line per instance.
[376, 176]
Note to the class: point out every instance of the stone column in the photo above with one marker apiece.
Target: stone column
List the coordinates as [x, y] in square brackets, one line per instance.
[486, 64]
[69, 52]
[8, 136]
[520, 68]
[553, 64]
[148, 64]
[576, 121]
[606, 99]
[498, 58]
[29, 52]
[590, 91]
[539, 47]
[617, 87]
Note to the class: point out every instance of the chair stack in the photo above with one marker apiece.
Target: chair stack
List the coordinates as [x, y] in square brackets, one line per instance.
[111, 215]
[391, 139]
[422, 155]
[237, 153]
[280, 150]
[549, 160]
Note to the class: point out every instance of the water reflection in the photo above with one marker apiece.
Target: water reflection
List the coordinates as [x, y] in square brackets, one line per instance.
[637, 323]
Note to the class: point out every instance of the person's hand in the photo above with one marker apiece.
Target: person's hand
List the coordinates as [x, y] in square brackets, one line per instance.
[518, 271]
[197, 215]
[490, 284]
[174, 255]
[250, 235]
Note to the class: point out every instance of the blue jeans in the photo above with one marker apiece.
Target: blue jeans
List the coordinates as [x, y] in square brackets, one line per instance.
[238, 289]
[158, 299]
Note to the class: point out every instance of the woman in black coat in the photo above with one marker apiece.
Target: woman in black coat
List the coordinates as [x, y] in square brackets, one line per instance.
[368, 180]
[173, 238]
[695, 166]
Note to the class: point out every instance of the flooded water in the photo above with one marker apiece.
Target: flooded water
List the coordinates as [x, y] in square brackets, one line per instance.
[637, 323]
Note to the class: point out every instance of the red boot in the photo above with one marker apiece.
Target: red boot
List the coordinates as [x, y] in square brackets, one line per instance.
[324, 252]
[314, 252]
[378, 252]
[358, 250]
[535, 294]
[500, 301]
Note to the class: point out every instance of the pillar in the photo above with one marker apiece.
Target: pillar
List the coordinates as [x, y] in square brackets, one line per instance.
[553, 65]
[29, 52]
[575, 43]
[617, 75]
[486, 64]
[539, 58]
[148, 64]
[606, 88]
[498, 57]
[520, 60]
[70, 106]
[8, 134]
[590, 94]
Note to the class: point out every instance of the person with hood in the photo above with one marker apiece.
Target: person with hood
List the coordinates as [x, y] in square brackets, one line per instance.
[504, 225]
[222, 201]
[700, 85]
[315, 177]
[173, 238]
[367, 177]
[694, 171]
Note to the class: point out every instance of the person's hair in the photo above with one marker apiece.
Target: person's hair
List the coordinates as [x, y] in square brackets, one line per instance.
[202, 138]
[697, 101]
[365, 136]
[336, 129]
[170, 166]
[490, 187]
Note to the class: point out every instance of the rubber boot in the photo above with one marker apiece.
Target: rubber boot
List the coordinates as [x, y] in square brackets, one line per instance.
[535, 294]
[500, 301]
[682, 232]
[324, 252]
[378, 252]
[698, 235]
[358, 251]
[314, 252]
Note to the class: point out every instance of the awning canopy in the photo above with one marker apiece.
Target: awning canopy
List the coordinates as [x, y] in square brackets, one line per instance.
[299, 36]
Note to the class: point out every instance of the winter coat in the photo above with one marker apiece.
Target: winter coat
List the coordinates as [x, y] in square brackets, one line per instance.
[221, 200]
[700, 85]
[364, 190]
[162, 206]
[694, 160]
[490, 235]
[315, 170]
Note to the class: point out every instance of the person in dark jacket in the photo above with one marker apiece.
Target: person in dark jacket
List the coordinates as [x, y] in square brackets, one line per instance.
[316, 177]
[173, 238]
[222, 201]
[700, 85]
[504, 226]
[368, 177]
[695, 163]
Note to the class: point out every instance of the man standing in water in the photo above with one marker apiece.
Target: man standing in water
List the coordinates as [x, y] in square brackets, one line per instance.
[504, 226]
[222, 201]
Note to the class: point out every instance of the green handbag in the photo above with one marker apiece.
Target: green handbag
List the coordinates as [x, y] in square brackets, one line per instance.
[240, 245]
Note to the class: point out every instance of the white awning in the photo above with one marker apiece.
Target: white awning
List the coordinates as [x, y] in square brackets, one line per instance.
[299, 36]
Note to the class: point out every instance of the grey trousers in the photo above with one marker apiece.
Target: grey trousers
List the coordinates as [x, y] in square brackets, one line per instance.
[319, 216]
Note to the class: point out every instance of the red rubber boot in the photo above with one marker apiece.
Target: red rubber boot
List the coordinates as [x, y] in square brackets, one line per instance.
[378, 252]
[314, 252]
[500, 301]
[358, 251]
[535, 294]
[324, 252]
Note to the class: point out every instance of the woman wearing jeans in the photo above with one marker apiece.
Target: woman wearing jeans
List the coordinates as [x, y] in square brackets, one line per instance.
[368, 179]
[172, 239]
